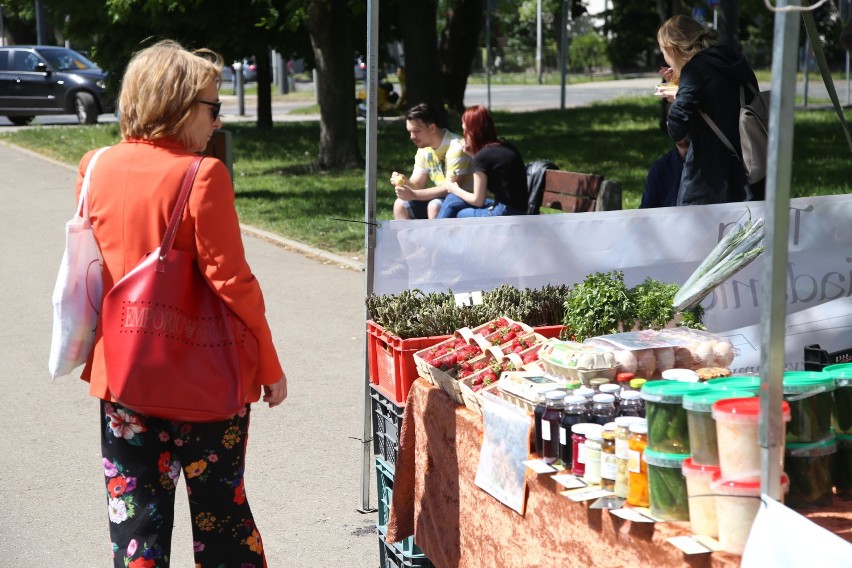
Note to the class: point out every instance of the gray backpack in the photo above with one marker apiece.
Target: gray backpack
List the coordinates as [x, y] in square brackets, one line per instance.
[754, 133]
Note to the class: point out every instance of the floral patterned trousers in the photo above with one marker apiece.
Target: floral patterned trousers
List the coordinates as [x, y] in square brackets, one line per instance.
[143, 458]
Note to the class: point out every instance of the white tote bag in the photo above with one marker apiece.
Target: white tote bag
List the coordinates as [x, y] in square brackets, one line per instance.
[79, 289]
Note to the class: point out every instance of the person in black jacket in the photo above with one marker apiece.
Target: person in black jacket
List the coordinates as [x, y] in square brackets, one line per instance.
[709, 77]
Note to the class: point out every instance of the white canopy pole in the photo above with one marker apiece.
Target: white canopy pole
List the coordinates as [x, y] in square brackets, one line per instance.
[369, 233]
[778, 179]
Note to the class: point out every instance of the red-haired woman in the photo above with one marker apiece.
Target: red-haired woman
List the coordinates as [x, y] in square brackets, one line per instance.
[498, 168]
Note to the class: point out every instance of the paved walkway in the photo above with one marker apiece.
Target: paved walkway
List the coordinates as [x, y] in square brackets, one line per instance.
[304, 457]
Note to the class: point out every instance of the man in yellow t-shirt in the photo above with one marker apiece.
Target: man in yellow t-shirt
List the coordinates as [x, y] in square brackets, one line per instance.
[440, 159]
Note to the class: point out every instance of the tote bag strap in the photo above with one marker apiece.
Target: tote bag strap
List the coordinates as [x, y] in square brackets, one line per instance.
[83, 204]
[177, 212]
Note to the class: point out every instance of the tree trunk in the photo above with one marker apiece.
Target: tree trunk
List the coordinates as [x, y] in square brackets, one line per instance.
[330, 25]
[419, 40]
[459, 43]
[264, 90]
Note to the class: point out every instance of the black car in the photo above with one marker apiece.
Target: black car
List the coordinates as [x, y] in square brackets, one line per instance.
[41, 79]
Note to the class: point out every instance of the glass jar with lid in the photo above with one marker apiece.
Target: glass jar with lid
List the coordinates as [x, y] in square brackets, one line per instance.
[622, 435]
[592, 453]
[574, 412]
[603, 409]
[554, 404]
[632, 404]
[637, 469]
[608, 466]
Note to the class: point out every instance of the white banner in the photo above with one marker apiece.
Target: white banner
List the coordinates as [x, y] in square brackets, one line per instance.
[667, 244]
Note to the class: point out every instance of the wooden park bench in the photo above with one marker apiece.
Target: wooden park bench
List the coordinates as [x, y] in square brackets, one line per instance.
[572, 192]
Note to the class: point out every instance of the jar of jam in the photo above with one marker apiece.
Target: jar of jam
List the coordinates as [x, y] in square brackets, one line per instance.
[592, 450]
[603, 409]
[614, 390]
[632, 404]
[586, 393]
[637, 469]
[550, 424]
[575, 412]
[578, 440]
[608, 459]
[596, 383]
[622, 435]
[538, 412]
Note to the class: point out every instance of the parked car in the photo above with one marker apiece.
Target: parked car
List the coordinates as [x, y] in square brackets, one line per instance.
[249, 68]
[41, 79]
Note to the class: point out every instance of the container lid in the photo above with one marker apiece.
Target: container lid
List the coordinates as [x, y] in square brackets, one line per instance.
[555, 395]
[624, 377]
[736, 382]
[807, 382]
[692, 469]
[703, 401]
[574, 399]
[610, 388]
[597, 381]
[594, 434]
[844, 441]
[609, 427]
[626, 421]
[747, 487]
[639, 427]
[824, 447]
[685, 375]
[583, 426]
[629, 395]
[603, 398]
[744, 409]
[584, 391]
[663, 459]
[842, 367]
[637, 383]
[670, 392]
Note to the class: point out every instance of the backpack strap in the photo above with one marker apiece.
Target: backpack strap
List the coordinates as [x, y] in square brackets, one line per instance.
[719, 133]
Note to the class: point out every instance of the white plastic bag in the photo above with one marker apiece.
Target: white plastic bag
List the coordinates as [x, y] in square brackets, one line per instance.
[78, 291]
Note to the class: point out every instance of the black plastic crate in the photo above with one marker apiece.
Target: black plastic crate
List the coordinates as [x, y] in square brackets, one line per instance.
[392, 557]
[384, 493]
[817, 358]
[387, 421]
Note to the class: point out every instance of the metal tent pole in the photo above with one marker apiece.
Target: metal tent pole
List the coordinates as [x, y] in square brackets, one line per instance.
[780, 154]
[369, 234]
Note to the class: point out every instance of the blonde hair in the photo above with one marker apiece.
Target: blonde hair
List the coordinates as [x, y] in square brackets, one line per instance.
[159, 87]
[684, 37]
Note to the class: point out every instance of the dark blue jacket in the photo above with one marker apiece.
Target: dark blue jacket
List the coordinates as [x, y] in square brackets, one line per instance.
[711, 81]
[663, 181]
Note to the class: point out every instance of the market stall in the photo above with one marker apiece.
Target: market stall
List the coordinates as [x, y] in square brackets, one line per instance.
[458, 524]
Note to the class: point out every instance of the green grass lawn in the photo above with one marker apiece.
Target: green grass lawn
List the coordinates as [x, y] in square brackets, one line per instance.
[278, 189]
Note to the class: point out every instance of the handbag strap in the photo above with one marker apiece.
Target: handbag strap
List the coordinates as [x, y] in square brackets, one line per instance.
[177, 212]
[83, 204]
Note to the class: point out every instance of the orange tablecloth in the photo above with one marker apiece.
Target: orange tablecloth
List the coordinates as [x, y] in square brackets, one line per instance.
[458, 524]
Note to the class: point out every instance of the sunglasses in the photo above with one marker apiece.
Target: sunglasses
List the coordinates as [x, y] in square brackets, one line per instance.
[217, 106]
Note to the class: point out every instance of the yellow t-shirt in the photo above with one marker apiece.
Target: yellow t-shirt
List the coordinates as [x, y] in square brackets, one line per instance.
[447, 159]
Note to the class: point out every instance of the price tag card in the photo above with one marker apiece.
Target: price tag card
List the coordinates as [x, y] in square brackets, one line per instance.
[540, 466]
[586, 494]
[688, 545]
[569, 481]
[610, 502]
[632, 514]
[647, 512]
[710, 542]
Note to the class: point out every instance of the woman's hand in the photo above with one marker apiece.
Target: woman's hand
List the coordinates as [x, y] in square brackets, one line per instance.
[405, 193]
[666, 73]
[275, 393]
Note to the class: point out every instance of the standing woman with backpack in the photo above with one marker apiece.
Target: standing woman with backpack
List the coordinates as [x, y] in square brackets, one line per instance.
[708, 76]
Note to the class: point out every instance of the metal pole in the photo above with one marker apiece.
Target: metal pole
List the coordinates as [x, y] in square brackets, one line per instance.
[41, 24]
[563, 53]
[807, 70]
[780, 158]
[239, 85]
[369, 235]
[848, 92]
[488, 54]
[538, 40]
[3, 31]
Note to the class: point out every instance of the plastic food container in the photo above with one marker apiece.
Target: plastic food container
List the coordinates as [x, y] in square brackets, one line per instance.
[702, 499]
[737, 436]
[842, 474]
[737, 502]
[842, 416]
[809, 469]
[811, 402]
[667, 428]
[702, 426]
[667, 485]
[736, 382]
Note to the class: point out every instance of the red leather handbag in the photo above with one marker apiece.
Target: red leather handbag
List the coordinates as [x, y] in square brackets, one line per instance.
[170, 343]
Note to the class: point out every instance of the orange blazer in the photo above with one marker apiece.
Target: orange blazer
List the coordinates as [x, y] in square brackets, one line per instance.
[132, 192]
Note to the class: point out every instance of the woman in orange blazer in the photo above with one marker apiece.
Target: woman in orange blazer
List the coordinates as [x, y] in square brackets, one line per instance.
[169, 107]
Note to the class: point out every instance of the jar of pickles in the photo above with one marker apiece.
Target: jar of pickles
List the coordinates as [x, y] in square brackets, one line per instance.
[842, 417]
[667, 485]
[842, 474]
[809, 468]
[608, 465]
[810, 395]
[622, 437]
[667, 427]
[702, 426]
[637, 469]
[592, 453]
